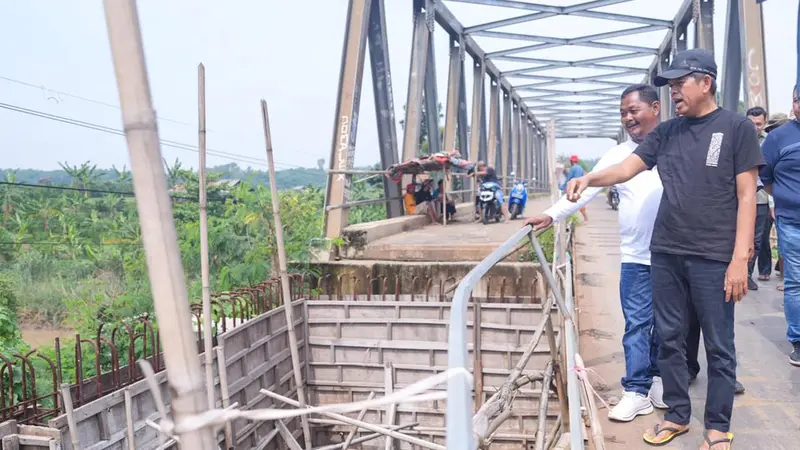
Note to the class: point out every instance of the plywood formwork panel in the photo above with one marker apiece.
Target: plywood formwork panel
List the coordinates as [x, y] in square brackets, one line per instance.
[257, 356]
[352, 341]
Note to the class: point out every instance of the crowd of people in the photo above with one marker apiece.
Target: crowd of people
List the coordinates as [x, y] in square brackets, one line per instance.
[695, 213]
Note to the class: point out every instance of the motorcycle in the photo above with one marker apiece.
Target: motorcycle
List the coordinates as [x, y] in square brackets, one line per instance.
[613, 198]
[517, 199]
[488, 205]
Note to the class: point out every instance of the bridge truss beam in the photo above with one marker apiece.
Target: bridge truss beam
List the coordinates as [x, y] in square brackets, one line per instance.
[509, 133]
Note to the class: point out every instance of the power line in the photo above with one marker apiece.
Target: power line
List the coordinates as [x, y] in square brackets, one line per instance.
[97, 191]
[71, 244]
[165, 142]
[109, 105]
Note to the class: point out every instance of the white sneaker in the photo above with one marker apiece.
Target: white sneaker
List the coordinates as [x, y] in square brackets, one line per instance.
[656, 393]
[630, 406]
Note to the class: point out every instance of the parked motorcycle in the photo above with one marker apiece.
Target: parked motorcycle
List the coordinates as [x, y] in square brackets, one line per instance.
[517, 199]
[613, 198]
[488, 205]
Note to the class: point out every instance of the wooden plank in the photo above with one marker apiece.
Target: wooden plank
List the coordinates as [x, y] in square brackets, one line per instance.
[416, 345]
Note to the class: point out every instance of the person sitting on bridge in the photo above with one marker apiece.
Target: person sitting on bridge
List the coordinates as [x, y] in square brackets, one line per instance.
[781, 178]
[411, 206]
[638, 204]
[424, 201]
[708, 160]
[437, 198]
[487, 174]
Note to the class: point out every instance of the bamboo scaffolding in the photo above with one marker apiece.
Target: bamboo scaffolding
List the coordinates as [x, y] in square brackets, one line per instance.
[366, 425]
[204, 269]
[500, 402]
[158, 229]
[287, 293]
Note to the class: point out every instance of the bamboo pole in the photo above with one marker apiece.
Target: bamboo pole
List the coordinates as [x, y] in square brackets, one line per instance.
[204, 270]
[129, 430]
[155, 214]
[223, 393]
[366, 425]
[352, 435]
[66, 398]
[388, 371]
[287, 293]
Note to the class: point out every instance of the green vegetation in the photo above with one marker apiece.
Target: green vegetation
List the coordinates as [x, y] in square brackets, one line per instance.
[88, 174]
[71, 252]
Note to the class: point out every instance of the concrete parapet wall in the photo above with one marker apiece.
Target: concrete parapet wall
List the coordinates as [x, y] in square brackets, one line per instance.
[357, 237]
[508, 280]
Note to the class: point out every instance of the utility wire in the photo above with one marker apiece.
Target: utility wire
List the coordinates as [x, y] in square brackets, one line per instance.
[97, 191]
[165, 142]
[71, 244]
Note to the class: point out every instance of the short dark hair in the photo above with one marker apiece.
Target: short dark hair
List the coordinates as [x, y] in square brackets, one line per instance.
[699, 75]
[756, 111]
[646, 92]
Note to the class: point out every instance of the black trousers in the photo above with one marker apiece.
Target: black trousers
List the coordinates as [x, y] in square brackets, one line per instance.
[687, 288]
[765, 253]
[762, 220]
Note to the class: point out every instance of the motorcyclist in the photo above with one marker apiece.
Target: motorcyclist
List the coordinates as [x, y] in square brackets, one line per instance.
[488, 175]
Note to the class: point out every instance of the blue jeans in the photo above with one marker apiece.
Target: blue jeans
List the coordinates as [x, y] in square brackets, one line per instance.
[640, 339]
[789, 249]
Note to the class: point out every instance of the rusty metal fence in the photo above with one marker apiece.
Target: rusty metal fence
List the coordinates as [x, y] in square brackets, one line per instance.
[104, 362]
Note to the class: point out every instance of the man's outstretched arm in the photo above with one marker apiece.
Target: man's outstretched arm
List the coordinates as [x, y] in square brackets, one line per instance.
[616, 174]
[564, 208]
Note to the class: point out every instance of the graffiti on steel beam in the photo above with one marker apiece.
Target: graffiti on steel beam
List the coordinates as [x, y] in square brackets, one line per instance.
[755, 85]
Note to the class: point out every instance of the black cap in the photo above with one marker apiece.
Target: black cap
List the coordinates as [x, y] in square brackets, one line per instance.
[696, 60]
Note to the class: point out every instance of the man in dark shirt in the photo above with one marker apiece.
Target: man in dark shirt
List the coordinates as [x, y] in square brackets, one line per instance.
[708, 161]
[781, 178]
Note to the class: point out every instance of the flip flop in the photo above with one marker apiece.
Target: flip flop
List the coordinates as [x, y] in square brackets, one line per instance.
[727, 439]
[674, 432]
[763, 277]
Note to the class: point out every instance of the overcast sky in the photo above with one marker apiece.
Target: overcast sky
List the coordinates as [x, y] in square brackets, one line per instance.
[56, 59]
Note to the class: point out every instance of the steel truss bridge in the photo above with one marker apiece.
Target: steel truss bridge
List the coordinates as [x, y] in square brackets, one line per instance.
[517, 113]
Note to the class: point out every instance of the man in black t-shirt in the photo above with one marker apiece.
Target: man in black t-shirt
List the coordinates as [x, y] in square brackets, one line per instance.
[708, 161]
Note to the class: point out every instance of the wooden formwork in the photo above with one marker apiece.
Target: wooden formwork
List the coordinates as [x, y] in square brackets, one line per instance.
[256, 357]
[357, 345]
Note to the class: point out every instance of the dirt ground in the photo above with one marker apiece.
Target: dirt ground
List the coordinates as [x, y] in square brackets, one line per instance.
[767, 416]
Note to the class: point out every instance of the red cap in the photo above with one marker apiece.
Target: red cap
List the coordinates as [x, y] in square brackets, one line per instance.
[573, 158]
[410, 187]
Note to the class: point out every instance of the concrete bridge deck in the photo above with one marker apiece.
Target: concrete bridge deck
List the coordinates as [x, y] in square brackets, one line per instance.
[767, 416]
[460, 240]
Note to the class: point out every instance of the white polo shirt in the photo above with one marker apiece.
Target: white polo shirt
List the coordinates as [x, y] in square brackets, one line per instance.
[639, 199]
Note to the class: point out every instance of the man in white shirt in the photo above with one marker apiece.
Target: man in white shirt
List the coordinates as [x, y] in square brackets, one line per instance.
[639, 199]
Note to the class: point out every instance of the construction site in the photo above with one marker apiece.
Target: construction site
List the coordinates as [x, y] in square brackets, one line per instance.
[405, 334]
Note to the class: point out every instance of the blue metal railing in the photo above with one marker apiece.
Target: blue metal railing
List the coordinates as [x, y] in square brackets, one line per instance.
[460, 435]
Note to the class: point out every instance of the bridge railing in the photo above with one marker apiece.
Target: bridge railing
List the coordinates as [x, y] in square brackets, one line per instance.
[533, 186]
[465, 431]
